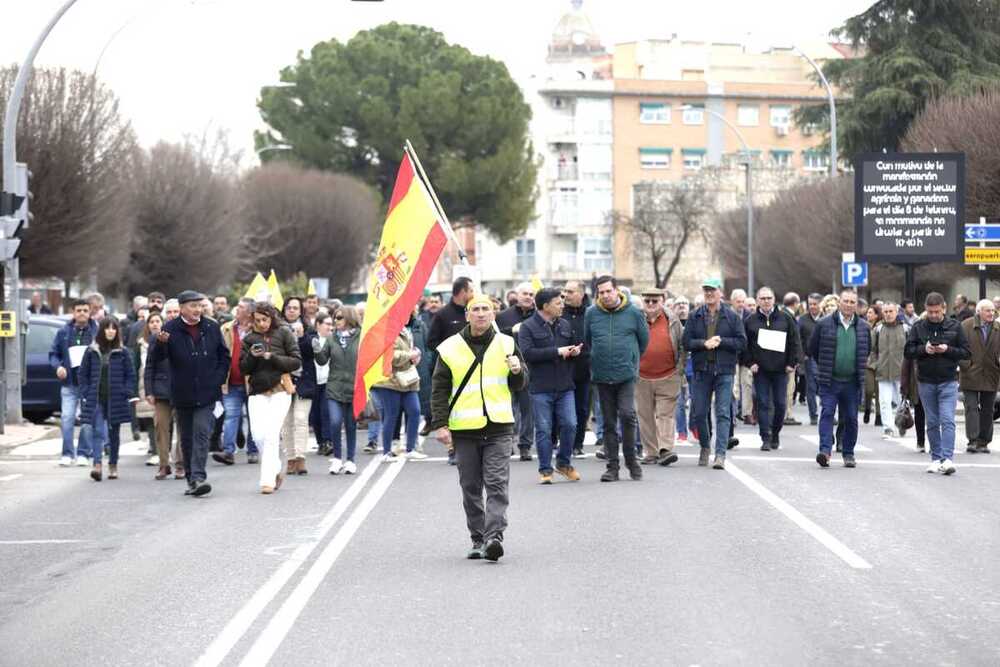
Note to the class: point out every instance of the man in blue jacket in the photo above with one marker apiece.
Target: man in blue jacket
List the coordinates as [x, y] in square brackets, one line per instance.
[549, 346]
[199, 363]
[715, 338]
[617, 335]
[65, 356]
[840, 344]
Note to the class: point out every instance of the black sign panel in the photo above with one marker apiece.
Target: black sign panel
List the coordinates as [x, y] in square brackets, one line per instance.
[909, 208]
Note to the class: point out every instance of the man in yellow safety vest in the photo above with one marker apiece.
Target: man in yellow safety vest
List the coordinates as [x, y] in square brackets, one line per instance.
[476, 373]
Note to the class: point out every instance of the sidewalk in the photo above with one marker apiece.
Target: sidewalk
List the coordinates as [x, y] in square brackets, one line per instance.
[16, 435]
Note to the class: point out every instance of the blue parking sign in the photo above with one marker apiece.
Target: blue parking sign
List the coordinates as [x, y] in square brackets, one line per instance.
[854, 274]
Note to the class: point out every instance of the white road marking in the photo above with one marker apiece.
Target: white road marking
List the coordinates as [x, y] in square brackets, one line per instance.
[281, 623]
[814, 439]
[10, 478]
[245, 617]
[13, 542]
[799, 519]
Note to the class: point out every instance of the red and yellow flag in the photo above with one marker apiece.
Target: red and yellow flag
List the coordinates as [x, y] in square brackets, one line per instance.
[412, 241]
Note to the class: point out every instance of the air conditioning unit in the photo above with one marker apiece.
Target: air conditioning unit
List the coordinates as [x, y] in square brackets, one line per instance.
[781, 130]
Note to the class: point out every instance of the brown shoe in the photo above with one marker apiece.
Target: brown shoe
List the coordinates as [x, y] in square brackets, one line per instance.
[267, 490]
[163, 474]
[569, 472]
[96, 473]
[179, 472]
[293, 466]
[300, 467]
[112, 472]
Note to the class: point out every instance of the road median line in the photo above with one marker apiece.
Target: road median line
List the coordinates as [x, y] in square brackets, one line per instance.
[817, 532]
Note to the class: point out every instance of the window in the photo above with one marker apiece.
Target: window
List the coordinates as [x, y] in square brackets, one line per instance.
[658, 114]
[748, 115]
[565, 207]
[655, 158]
[781, 158]
[525, 255]
[781, 115]
[593, 116]
[595, 162]
[695, 115]
[597, 254]
[813, 160]
[694, 158]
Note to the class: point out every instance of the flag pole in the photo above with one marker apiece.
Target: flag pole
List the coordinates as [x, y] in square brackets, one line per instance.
[443, 217]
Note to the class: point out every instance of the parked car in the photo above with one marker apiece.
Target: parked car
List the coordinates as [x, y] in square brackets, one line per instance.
[40, 394]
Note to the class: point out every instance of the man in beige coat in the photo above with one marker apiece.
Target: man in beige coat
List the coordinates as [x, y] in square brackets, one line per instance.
[979, 376]
[661, 372]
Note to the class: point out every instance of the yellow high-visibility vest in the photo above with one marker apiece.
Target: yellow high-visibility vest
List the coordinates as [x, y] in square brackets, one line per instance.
[487, 392]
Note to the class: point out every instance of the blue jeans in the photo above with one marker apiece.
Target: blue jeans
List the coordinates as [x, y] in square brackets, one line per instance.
[680, 414]
[812, 387]
[841, 398]
[342, 415]
[581, 397]
[939, 401]
[560, 406]
[70, 399]
[233, 402]
[111, 432]
[375, 427]
[393, 402]
[707, 383]
[770, 387]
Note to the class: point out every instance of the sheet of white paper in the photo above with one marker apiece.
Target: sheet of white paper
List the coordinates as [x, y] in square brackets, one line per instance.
[76, 355]
[218, 411]
[771, 340]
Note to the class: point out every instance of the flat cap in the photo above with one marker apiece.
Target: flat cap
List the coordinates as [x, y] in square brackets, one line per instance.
[189, 295]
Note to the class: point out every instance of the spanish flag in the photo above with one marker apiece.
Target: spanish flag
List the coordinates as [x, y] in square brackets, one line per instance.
[412, 241]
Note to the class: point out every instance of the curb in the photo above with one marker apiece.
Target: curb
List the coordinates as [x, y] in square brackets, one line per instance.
[46, 433]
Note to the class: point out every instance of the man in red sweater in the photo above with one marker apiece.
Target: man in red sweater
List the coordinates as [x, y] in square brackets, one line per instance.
[661, 371]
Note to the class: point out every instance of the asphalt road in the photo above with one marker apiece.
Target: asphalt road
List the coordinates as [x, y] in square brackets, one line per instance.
[771, 562]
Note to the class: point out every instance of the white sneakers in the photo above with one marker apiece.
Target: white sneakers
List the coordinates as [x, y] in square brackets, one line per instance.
[415, 455]
[153, 460]
[398, 448]
[388, 458]
[347, 467]
[66, 461]
[82, 462]
[945, 467]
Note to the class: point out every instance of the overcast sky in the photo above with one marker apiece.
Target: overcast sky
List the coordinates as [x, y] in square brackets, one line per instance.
[185, 67]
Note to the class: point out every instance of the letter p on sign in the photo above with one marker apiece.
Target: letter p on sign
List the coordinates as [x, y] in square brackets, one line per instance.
[854, 274]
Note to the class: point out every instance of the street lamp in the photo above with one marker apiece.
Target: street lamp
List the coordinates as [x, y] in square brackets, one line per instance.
[746, 150]
[274, 147]
[833, 110]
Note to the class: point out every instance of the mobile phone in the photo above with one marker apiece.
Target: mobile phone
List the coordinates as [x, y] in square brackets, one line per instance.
[257, 347]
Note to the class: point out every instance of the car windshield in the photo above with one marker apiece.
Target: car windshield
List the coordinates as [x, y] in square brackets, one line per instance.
[40, 337]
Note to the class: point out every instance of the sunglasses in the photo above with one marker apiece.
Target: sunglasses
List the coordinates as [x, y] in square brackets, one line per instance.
[651, 302]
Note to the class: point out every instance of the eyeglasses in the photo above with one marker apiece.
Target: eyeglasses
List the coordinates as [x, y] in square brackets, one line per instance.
[339, 317]
[651, 302]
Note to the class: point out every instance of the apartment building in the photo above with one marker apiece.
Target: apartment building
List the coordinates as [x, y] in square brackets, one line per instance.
[572, 132]
[667, 97]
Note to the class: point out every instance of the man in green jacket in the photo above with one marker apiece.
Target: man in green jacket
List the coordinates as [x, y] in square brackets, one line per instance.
[617, 335]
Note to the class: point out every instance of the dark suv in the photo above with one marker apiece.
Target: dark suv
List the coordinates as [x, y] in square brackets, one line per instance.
[40, 395]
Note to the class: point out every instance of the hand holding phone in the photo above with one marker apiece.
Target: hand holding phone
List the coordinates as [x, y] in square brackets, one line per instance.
[257, 350]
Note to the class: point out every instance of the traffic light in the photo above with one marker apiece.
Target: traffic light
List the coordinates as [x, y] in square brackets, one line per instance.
[18, 215]
[10, 244]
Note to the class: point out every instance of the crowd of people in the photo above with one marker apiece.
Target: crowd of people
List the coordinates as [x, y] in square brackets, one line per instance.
[522, 380]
